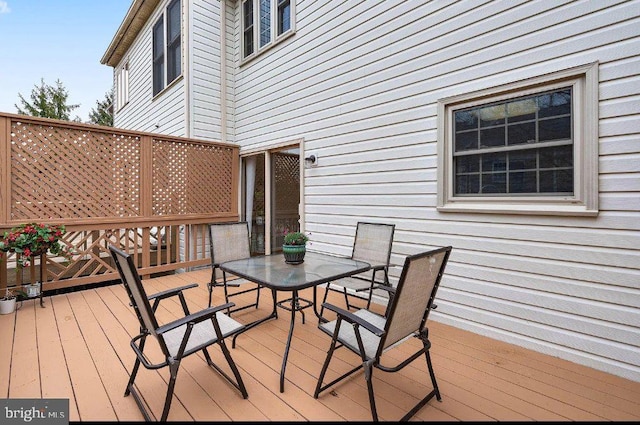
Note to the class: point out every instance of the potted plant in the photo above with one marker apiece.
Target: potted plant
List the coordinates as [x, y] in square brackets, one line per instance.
[30, 240]
[294, 247]
[8, 301]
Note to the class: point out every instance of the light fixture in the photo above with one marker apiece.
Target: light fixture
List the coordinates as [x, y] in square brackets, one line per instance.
[311, 160]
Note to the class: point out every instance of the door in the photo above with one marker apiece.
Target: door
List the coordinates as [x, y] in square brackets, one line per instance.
[271, 197]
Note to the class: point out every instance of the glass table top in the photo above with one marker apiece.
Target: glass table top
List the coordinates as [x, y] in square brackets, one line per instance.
[272, 271]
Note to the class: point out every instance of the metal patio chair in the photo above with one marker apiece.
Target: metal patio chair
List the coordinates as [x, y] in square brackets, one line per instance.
[369, 335]
[372, 244]
[177, 339]
[228, 242]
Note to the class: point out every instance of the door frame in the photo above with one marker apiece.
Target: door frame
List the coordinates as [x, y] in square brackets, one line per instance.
[266, 151]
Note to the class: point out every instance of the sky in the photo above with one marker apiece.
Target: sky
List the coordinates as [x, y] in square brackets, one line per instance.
[57, 40]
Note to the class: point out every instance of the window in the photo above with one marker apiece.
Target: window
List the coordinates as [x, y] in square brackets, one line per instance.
[167, 56]
[529, 147]
[122, 86]
[274, 23]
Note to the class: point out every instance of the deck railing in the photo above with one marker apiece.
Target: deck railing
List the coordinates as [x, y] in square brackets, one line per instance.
[152, 195]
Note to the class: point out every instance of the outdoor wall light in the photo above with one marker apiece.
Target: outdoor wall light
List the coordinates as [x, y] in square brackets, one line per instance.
[311, 160]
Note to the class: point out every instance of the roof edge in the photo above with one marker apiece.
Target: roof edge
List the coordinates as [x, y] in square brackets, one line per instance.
[133, 22]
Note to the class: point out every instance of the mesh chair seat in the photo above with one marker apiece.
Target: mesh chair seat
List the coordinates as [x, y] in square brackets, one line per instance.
[347, 334]
[356, 283]
[202, 335]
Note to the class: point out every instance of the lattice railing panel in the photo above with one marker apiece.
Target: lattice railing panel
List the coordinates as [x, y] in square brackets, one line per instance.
[99, 183]
[66, 173]
[287, 180]
[191, 178]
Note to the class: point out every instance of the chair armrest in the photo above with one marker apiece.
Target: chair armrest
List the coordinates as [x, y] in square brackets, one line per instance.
[205, 314]
[352, 318]
[170, 292]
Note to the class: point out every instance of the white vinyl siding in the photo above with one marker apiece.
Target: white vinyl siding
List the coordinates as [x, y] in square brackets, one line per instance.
[205, 74]
[164, 114]
[360, 83]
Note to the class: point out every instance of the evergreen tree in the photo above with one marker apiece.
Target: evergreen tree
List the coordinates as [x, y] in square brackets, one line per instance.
[48, 102]
[102, 114]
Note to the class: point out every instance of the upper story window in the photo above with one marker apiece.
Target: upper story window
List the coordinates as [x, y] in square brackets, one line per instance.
[122, 86]
[167, 49]
[265, 23]
[530, 147]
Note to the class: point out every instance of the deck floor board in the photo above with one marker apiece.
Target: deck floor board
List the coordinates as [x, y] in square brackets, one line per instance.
[77, 347]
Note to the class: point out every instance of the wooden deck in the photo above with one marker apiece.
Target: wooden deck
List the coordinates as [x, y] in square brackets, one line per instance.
[77, 347]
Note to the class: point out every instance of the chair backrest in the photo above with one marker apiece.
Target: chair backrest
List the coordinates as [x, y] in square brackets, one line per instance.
[228, 242]
[137, 294]
[373, 243]
[414, 295]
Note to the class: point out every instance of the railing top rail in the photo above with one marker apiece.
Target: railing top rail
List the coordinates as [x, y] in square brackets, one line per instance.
[106, 129]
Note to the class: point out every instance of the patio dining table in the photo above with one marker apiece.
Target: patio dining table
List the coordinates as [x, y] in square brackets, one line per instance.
[274, 273]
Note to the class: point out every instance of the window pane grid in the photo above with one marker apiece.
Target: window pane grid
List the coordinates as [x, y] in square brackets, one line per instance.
[173, 41]
[167, 58]
[531, 171]
[272, 19]
[493, 151]
[158, 56]
[284, 14]
[265, 22]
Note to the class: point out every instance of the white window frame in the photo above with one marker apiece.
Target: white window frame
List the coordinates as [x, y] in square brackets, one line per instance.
[122, 85]
[275, 38]
[163, 18]
[584, 201]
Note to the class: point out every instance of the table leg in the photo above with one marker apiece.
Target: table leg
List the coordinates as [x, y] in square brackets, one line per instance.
[294, 305]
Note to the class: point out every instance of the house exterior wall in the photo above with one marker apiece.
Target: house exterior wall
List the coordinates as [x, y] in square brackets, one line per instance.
[164, 114]
[359, 82]
[204, 60]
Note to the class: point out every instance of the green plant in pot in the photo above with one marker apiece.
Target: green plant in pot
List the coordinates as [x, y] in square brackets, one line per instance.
[33, 239]
[30, 240]
[294, 247]
[9, 300]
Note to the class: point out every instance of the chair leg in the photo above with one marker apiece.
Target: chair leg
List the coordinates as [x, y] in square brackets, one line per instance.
[325, 366]
[369, 298]
[226, 292]
[346, 298]
[132, 378]
[433, 376]
[234, 369]
[173, 369]
[324, 299]
[136, 366]
[258, 296]
[368, 375]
